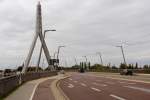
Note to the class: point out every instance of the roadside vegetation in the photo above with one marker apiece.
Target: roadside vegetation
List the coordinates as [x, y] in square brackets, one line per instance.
[101, 68]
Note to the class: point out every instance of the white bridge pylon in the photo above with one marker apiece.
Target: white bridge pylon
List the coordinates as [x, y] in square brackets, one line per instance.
[40, 35]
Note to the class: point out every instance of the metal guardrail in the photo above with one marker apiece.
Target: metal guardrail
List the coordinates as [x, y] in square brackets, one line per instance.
[8, 84]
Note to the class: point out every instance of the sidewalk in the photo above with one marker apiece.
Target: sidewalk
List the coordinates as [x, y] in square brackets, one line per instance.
[30, 90]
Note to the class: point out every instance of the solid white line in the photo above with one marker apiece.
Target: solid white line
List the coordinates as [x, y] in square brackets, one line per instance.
[83, 84]
[95, 89]
[117, 97]
[34, 91]
[131, 83]
[138, 88]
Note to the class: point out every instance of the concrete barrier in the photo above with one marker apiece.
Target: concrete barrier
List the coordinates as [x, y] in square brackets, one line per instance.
[8, 84]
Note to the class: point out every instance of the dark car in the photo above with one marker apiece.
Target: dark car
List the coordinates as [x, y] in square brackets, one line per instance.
[81, 70]
[126, 72]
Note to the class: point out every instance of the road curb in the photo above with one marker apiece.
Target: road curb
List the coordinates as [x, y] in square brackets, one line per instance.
[57, 91]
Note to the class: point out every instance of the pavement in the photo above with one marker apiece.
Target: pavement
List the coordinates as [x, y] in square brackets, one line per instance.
[85, 86]
[34, 90]
[91, 86]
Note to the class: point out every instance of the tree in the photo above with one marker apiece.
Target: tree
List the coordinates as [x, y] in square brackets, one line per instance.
[114, 67]
[136, 65]
[123, 66]
[89, 65]
[145, 67]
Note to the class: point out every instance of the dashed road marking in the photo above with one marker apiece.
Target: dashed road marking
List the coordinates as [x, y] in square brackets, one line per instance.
[95, 89]
[99, 84]
[122, 82]
[131, 83]
[117, 97]
[70, 86]
[99, 80]
[75, 81]
[70, 79]
[138, 88]
[83, 84]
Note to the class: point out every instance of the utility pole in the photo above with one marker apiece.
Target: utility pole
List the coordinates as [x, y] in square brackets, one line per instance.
[121, 47]
[100, 56]
[39, 58]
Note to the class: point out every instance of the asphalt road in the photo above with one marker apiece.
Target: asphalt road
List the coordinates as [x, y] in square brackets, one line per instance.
[90, 87]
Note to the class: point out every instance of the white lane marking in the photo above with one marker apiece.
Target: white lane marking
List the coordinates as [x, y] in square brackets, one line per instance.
[70, 79]
[95, 89]
[126, 82]
[75, 81]
[33, 92]
[70, 86]
[138, 88]
[117, 97]
[131, 83]
[83, 84]
[99, 84]
[122, 82]
[99, 80]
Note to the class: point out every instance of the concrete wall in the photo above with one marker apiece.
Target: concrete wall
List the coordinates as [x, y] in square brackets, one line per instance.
[7, 84]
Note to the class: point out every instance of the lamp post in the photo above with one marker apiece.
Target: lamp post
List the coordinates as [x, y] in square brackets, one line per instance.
[85, 58]
[121, 47]
[55, 54]
[75, 61]
[39, 58]
[86, 62]
[58, 53]
[100, 55]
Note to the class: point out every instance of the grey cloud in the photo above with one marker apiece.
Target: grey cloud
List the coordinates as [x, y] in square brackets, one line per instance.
[84, 26]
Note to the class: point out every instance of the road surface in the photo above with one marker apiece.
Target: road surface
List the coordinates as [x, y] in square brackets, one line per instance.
[85, 86]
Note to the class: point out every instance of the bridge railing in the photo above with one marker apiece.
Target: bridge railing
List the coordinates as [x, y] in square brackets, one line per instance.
[8, 84]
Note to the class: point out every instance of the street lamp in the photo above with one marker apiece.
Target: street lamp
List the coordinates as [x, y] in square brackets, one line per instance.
[86, 61]
[55, 54]
[85, 58]
[58, 53]
[39, 58]
[100, 55]
[121, 47]
[75, 61]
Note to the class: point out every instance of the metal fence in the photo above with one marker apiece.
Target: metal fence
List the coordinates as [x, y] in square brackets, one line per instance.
[8, 84]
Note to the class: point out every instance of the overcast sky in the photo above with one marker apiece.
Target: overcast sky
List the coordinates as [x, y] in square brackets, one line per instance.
[83, 26]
